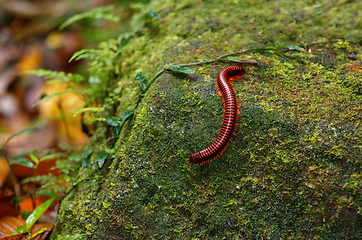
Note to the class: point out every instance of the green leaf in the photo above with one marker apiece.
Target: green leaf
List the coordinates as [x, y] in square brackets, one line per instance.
[178, 69]
[87, 109]
[318, 10]
[42, 179]
[125, 114]
[34, 216]
[17, 134]
[143, 86]
[94, 80]
[116, 131]
[21, 229]
[241, 60]
[48, 192]
[51, 75]
[39, 232]
[74, 158]
[24, 214]
[81, 54]
[152, 15]
[124, 41]
[34, 159]
[294, 48]
[65, 167]
[112, 121]
[51, 156]
[140, 77]
[101, 157]
[23, 162]
[234, 59]
[87, 153]
[84, 163]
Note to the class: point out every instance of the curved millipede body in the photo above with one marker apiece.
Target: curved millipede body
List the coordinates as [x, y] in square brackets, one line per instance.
[231, 119]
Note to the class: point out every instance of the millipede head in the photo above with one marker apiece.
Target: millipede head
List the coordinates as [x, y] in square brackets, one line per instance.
[194, 158]
[235, 73]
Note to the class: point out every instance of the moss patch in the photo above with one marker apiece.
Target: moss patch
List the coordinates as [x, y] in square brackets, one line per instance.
[294, 169]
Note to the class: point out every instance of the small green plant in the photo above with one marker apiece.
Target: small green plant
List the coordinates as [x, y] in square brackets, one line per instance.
[33, 218]
[106, 12]
[49, 185]
[7, 160]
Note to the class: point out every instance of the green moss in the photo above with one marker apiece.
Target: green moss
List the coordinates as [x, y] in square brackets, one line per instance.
[293, 171]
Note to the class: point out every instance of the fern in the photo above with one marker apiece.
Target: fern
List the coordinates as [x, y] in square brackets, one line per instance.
[42, 179]
[103, 65]
[102, 58]
[56, 76]
[106, 12]
[87, 109]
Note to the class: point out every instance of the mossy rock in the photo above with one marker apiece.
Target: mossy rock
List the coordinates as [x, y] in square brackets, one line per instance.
[294, 169]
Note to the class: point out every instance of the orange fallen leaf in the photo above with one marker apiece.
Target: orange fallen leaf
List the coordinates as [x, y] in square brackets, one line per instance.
[4, 170]
[27, 204]
[31, 60]
[8, 225]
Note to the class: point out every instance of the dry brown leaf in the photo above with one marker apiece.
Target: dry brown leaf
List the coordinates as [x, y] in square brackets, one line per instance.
[21, 236]
[9, 225]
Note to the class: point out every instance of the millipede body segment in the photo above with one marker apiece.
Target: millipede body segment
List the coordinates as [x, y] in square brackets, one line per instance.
[231, 119]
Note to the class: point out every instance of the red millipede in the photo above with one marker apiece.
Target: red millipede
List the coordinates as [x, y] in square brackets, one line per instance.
[231, 119]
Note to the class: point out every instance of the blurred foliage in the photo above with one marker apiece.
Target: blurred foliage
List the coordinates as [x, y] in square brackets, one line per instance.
[45, 161]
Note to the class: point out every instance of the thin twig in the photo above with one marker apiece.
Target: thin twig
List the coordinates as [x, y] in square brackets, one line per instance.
[285, 48]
